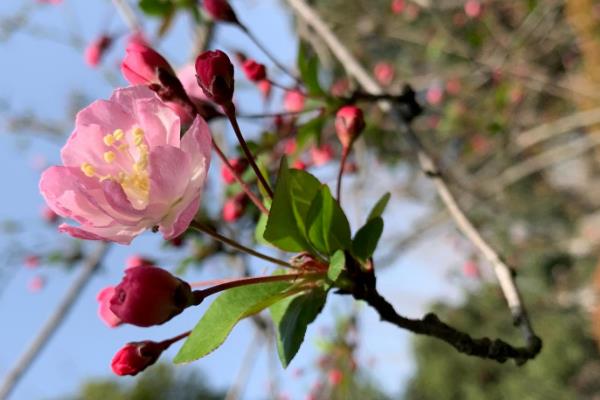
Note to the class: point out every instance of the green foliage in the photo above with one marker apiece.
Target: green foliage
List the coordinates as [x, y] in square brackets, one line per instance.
[379, 207]
[366, 239]
[336, 265]
[327, 227]
[310, 130]
[308, 65]
[291, 318]
[294, 192]
[225, 312]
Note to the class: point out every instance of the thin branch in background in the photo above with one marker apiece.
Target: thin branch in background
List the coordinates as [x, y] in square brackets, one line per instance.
[503, 272]
[89, 266]
[128, 15]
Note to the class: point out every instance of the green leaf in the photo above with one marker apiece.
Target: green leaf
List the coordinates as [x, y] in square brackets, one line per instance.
[326, 224]
[336, 265]
[222, 315]
[308, 65]
[366, 239]
[310, 130]
[379, 207]
[294, 192]
[291, 317]
[158, 8]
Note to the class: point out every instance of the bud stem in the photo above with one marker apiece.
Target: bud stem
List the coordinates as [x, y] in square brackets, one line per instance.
[270, 56]
[201, 228]
[201, 294]
[229, 110]
[168, 342]
[345, 153]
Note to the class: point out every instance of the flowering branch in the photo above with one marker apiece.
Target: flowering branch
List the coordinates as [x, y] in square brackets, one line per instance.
[504, 273]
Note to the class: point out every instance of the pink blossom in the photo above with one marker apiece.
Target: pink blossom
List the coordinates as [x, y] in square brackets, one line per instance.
[32, 261]
[473, 8]
[264, 87]
[141, 63]
[104, 312]
[126, 170]
[50, 1]
[434, 95]
[471, 269]
[335, 377]
[36, 283]
[95, 50]
[384, 72]
[293, 101]
[321, 155]
[397, 6]
[234, 208]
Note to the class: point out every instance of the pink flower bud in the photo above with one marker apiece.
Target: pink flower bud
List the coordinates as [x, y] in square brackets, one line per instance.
[340, 87]
[473, 8]
[234, 208]
[349, 123]
[32, 261]
[397, 6]
[265, 88]
[138, 261]
[95, 50]
[453, 86]
[434, 95]
[293, 101]
[104, 312]
[335, 377]
[471, 269]
[299, 164]
[290, 146]
[214, 73]
[254, 71]
[321, 155]
[239, 166]
[384, 73]
[220, 10]
[141, 63]
[150, 296]
[135, 357]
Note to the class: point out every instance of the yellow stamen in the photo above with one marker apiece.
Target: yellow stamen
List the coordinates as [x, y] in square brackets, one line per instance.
[138, 136]
[118, 134]
[109, 140]
[109, 156]
[88, 169]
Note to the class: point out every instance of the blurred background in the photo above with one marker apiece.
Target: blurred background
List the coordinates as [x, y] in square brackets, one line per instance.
[511, 99]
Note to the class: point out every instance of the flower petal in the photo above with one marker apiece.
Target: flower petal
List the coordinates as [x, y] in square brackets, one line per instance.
[169, 175]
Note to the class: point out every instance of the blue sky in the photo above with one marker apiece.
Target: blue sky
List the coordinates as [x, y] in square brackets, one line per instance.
[38, 74]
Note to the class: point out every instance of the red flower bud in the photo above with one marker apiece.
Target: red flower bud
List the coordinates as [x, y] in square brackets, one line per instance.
[239, 166]
[384, 73]
[135, 357]
[150, 296]
[214, 72]
[32, 261]
[234, 208]
[349, 123]
[141, 63]
[96, 49]
[321, 155]
[254, 71]
[220, 10]
[36, 283]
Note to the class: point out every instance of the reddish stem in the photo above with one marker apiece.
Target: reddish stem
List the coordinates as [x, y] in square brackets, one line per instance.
[229, 110]
[345, 153]
[168, 342]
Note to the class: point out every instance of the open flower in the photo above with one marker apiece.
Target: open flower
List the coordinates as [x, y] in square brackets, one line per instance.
[126, 169]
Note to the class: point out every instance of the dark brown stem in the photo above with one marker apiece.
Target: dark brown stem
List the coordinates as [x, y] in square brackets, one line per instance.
[229, 110]
[279, 114]
[431, 325]
[230, 242]
[338, 191]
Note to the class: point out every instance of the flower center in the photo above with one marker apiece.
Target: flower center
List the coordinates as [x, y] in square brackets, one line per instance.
[129, 170]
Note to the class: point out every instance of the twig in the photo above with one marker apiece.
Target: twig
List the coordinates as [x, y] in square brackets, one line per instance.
[127, 14]
[236, 245]
[88, 268]
[503, 273]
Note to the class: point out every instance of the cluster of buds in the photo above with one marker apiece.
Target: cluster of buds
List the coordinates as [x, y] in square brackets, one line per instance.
[238, 166]
[234, 207]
